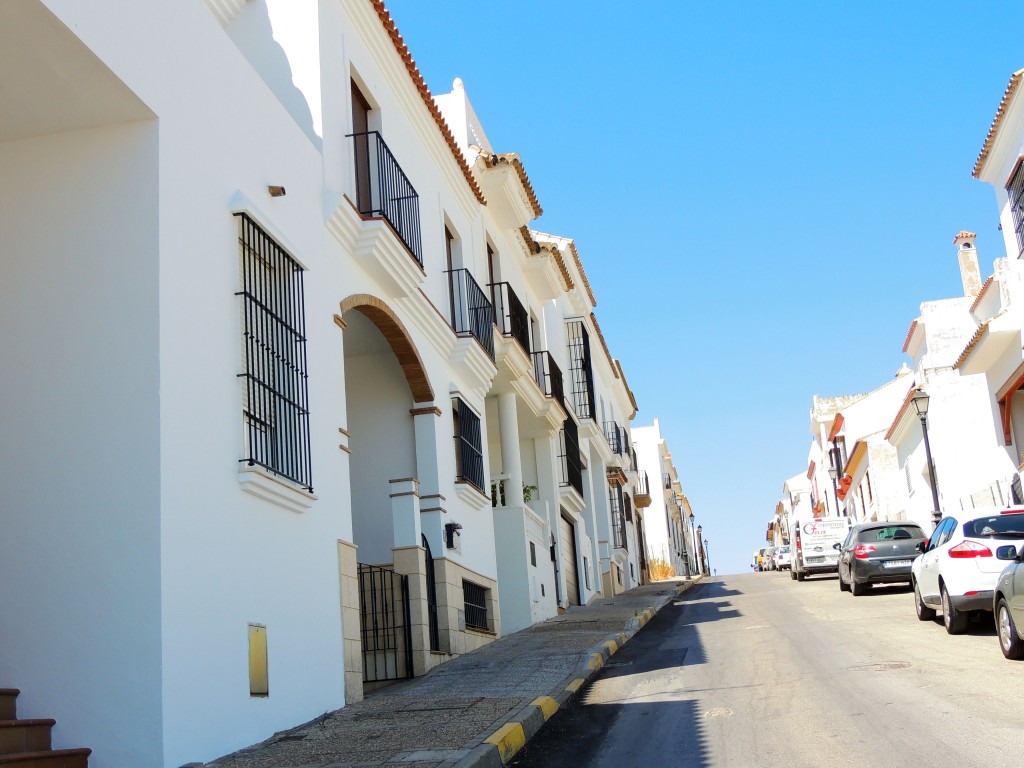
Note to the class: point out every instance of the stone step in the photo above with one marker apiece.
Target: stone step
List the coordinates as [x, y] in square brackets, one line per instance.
[25, 735]
[9, 703]
[57, 758]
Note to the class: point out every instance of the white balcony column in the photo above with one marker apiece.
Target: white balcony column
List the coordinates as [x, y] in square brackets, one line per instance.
[512, 461]
[405, 511]
[428, 451]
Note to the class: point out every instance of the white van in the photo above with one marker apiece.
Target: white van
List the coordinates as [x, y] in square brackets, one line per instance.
[812, 550]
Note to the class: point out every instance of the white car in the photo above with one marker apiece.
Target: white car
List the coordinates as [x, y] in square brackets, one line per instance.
[782, 558]
[957, 569]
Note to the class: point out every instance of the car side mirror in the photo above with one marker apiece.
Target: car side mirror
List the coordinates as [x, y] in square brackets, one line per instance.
[837, 545]
[1006, 552]
[922, 547]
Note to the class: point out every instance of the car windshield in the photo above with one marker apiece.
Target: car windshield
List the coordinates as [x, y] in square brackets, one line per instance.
[1001, 526]
[891, 532]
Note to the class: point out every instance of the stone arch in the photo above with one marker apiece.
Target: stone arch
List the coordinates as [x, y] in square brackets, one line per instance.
[387, 322]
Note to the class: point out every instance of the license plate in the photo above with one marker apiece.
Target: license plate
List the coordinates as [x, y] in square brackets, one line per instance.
[815, 559]
[896, 564]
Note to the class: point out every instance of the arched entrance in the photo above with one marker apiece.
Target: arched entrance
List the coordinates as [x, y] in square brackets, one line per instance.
[392, 440]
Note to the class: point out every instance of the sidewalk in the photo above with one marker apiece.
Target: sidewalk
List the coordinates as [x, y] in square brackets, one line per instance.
[474, 711]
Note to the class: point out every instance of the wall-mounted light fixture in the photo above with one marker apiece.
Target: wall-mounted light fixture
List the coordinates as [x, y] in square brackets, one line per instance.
[276, 191]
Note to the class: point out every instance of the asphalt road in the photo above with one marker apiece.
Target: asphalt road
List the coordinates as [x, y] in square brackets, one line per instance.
[759, 671]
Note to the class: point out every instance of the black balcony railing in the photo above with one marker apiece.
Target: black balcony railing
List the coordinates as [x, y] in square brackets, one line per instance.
[510, 315]
[569, 445]
[469, 462]
[668, 481]
[472, 313]
[632, 455]
[548, 376]
[580, 369]
[611, 432]
[383, 189]
[643, 485]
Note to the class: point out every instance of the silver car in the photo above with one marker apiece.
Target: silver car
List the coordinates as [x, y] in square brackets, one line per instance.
[1008, 603]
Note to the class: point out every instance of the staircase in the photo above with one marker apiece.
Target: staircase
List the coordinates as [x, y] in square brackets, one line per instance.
[26, 743]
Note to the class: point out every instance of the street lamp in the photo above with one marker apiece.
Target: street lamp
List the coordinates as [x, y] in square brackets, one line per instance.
[921, 406]
[695, 543]
[834, 473]
[707, 554]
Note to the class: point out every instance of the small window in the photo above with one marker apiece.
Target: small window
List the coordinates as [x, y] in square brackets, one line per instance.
[475, 601]
[469, 457]
[586, 572]
[533, 555]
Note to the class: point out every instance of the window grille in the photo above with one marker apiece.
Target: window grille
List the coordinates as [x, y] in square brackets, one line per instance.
[581, 370]
[475, 598]
[469, 457]
[618, 519]
[276, 398]
[1015, 192]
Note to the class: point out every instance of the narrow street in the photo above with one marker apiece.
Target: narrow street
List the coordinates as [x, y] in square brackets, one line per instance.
[760, 670]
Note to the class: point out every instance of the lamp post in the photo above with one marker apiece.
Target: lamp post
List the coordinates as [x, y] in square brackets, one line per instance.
[696, 541]
[707, 554]
[834, 473]
[921, 406]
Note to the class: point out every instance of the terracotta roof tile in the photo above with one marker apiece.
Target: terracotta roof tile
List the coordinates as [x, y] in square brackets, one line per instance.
[583, 274]
[1015, 79]
[513, 159]
[534, 247]
[906, 342]
[981, 293]
[963, 233]
[902, 409]
[632, 400]
[604, 345]
[975, 340]
[428, 100]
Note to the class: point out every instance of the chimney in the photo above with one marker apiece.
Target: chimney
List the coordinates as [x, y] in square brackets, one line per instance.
[970, 275]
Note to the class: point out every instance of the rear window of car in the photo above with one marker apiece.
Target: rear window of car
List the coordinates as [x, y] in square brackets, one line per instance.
[784, 550]
[891, 532]
[1002, 526]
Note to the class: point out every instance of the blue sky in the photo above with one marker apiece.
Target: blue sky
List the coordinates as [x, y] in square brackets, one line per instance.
[762, 195]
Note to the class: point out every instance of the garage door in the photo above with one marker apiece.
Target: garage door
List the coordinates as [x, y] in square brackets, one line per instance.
[568, 537]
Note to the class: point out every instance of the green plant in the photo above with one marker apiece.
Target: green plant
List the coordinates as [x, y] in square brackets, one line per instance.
[528, 491]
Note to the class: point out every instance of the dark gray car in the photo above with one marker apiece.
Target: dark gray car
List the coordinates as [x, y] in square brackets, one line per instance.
[877, 553]
[1008, 603]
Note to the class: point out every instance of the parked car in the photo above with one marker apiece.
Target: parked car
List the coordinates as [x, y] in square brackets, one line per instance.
[782, 558]
[877, 553]
[1008, 602]
[769, 559]
[957, 570]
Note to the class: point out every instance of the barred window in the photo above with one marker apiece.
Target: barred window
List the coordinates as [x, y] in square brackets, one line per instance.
[1015, 192]
[475, 604]
[580, 369]
[469, 455]
[275, 400]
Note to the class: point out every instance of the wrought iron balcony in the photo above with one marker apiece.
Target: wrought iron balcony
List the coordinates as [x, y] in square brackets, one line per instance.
[510, 315]
[618, 517]
[548, 376]
[642, 490]
[668, 481]
[383, 189]
[569, 455]
[471, 312]
[580, 369]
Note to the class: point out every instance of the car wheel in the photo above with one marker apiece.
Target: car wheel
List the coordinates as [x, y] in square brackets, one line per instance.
[792, 574]
[924, 613]
[857, 588]
[955, 621]
[1009, 641]
[843, 586]
[800, 576]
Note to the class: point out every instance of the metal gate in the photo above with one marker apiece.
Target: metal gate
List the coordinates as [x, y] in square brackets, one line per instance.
[384, 622]
[428, 562]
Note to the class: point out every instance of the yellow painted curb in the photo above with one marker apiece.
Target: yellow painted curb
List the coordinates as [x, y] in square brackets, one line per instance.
[612, 647]
[509, 739]
[575, 685]
[596, 661]
[548, 706]
[622, 639]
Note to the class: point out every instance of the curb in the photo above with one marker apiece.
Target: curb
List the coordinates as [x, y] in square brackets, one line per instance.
[501, 746]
